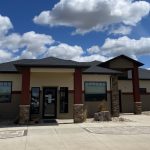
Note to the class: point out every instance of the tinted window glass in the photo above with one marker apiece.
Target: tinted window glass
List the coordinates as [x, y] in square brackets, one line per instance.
[5, 91]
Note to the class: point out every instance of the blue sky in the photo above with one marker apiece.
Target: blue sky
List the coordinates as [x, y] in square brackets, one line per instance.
[89, 42]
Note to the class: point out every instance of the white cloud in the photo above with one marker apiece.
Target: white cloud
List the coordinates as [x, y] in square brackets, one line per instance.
[64, 51]
[28, 45]
[95, 49]
[5, 25]
[93, 15]
[35, 45]
[123, 45]
[5, 56]
[122, 30]
[91, 58]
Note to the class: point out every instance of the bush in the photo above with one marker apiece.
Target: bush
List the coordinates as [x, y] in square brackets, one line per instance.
[103, 106]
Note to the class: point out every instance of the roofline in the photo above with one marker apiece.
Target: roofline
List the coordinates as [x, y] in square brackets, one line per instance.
[51, 66]
[123, 56]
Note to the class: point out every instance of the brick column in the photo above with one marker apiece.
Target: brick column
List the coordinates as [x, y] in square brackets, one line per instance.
[136, 91]
[78, 104]
[25, 97]
[115, 96]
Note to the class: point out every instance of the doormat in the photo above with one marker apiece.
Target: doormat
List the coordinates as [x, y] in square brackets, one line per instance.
[53, 121]
[12, 133]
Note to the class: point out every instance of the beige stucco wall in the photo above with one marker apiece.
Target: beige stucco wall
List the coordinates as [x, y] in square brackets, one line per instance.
[125, 85]
[127, 98]
[145, 84]
[66, 79]
[93, 77]
[52, 79]
[52, 70]
[15, 78]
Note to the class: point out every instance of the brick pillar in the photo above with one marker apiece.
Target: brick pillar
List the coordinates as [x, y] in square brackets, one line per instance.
[78, 104]
[115, 96]
[136, 91]
[25, 97]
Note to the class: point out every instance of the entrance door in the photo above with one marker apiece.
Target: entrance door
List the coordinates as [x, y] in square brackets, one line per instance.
[49, 102]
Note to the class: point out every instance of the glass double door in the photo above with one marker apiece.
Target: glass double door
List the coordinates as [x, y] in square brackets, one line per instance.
[49, 102]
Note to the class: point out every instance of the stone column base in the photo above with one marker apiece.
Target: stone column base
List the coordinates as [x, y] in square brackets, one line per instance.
[137, 108]
[79, 113]
[115, 96]
[24, 114]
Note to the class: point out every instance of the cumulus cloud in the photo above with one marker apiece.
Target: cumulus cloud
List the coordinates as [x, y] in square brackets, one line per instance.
[94, 15]
[64, 51]
[123, 45]
[5, 55]
[5, 25]
[27, 45]
[91, 58]
[122, 30]
[35, 45]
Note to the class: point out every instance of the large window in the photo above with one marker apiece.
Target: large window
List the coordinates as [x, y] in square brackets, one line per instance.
[5, 91]
[63, 99]
[95, 91]
[35, 100]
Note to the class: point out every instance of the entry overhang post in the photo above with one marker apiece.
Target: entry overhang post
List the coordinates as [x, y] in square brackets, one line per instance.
[78, 104]
[24, 110]
[136, 91]
[115, 96]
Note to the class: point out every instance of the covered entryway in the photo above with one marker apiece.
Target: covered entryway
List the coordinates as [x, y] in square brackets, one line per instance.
[123, 63]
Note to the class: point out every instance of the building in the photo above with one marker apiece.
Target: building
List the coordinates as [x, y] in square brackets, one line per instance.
[56, 88]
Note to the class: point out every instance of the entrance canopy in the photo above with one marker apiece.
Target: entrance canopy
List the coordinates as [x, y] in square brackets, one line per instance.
[121, 63]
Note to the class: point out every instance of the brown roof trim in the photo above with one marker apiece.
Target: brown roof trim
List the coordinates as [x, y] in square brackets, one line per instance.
[122, 56]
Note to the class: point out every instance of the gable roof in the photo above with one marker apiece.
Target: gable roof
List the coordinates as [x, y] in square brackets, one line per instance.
[11, 67]
[122, 56]
[50, 62]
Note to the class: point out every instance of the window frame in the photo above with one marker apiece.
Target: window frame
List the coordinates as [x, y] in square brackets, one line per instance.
[10, 93]
[96, 100]
[60, 110]
[39, 99]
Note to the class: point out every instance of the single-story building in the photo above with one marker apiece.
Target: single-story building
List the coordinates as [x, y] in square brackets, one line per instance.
[57, 88]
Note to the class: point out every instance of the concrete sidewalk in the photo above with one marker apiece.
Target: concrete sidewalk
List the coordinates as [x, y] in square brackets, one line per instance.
[68, 136]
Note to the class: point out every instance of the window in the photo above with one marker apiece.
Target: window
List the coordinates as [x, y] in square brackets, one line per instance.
[63, 99]
[5, 91]
[35, 100]
[143, 91]
[95, 91]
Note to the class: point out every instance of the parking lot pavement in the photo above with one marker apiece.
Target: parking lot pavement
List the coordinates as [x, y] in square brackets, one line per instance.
[127, 135]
